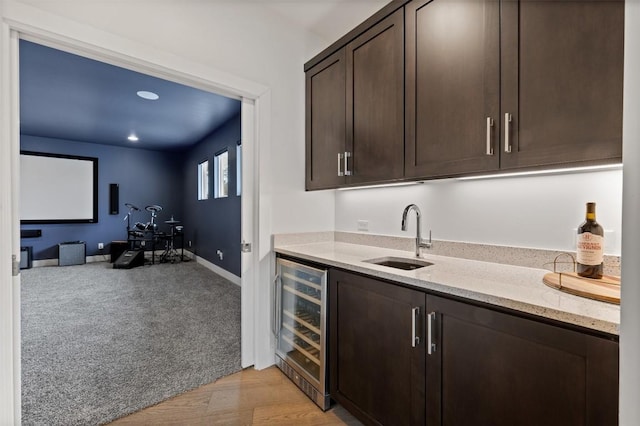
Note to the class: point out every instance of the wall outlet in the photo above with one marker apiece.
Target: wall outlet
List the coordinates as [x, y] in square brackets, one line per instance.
[363, 225]
[220, 254]
[100, 246]
[189, 243]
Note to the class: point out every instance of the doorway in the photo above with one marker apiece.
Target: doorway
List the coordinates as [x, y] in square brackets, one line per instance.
[250, 95]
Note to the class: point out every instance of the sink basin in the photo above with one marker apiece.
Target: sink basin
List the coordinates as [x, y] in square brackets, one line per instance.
[400, 262]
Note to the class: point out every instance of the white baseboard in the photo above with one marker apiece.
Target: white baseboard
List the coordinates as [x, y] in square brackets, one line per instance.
[215, 268]
[106, 258]
[88, 259]
[44, 262]
[99, 258]
[54, 262]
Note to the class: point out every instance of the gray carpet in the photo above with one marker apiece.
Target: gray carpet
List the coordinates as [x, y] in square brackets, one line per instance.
[99, 343]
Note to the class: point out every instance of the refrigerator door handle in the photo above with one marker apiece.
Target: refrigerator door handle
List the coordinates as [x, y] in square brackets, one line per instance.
[277, 301]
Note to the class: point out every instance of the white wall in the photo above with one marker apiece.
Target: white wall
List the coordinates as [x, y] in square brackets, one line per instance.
[529, 211]
[630, 313]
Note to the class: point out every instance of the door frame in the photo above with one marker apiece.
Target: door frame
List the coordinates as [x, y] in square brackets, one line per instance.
[19, 21]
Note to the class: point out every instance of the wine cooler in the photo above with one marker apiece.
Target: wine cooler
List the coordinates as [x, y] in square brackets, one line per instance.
[299, 324]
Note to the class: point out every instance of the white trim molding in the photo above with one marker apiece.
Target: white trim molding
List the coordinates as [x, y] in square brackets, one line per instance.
[216, 269]
[37, 25]
[630, 297]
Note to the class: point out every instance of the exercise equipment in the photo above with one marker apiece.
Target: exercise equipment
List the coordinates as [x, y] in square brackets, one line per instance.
[129, 259]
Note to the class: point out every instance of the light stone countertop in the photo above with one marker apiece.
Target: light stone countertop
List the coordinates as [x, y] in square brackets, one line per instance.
[514, 287]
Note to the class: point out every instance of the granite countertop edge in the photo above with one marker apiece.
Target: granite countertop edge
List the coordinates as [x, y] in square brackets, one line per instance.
[515, 287]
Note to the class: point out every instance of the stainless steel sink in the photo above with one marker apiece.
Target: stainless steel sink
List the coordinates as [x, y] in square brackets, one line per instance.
[400, 262]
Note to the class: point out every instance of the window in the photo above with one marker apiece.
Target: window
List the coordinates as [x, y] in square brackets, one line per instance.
[203, 180]
[221, 177]
[239, 169]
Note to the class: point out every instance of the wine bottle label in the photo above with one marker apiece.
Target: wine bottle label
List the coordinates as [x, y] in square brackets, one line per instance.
[590, 249]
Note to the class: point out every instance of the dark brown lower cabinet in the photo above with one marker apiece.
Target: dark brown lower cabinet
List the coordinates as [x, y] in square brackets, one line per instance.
[486, 366]
[493, 368]
[377, 369]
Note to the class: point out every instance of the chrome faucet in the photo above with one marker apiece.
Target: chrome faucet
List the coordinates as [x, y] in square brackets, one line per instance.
[420, 242]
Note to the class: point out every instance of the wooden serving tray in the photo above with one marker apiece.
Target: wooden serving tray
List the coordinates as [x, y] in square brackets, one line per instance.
[605, 289]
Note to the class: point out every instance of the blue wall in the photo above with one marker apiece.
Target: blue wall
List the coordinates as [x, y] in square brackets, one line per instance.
[145, 177]
[214, 224]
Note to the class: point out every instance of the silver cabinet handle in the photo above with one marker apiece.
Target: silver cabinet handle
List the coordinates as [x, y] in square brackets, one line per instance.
[489, 129]
[347, 155]
[507, 131]
[415, 339]
[431, 347]
[340, 172]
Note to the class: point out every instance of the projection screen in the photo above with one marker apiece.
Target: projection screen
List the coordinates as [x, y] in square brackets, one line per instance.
[58, 188]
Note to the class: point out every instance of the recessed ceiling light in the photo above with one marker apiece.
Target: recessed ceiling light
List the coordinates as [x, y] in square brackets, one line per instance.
[148, 95]
[133, 138]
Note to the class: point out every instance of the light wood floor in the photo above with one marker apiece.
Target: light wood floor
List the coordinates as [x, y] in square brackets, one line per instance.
[249, 397]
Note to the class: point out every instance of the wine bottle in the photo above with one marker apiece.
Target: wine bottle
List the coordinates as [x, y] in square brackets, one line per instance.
[590, 249]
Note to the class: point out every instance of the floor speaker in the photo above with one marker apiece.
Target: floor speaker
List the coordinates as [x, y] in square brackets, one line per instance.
[72, 253]
[116, 248]
[114, 196]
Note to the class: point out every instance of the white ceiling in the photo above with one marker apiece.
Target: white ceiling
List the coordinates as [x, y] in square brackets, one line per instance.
[329, 19]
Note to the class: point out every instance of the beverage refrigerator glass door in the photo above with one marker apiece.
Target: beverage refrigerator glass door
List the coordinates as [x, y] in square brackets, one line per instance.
[300, 327]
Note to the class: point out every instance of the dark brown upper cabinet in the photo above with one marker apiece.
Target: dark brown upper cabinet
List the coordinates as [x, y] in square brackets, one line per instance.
[375, 103]
[325, 122]
[355, 110]
[440, 88]
[452, 87]
[512, 84]
[562, 75]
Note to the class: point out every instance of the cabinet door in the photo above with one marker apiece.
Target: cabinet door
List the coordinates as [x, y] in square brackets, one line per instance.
[377, 369]
[325, 122]
[452, 87]
[492, 368]
[375, 102]
[562, 81]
